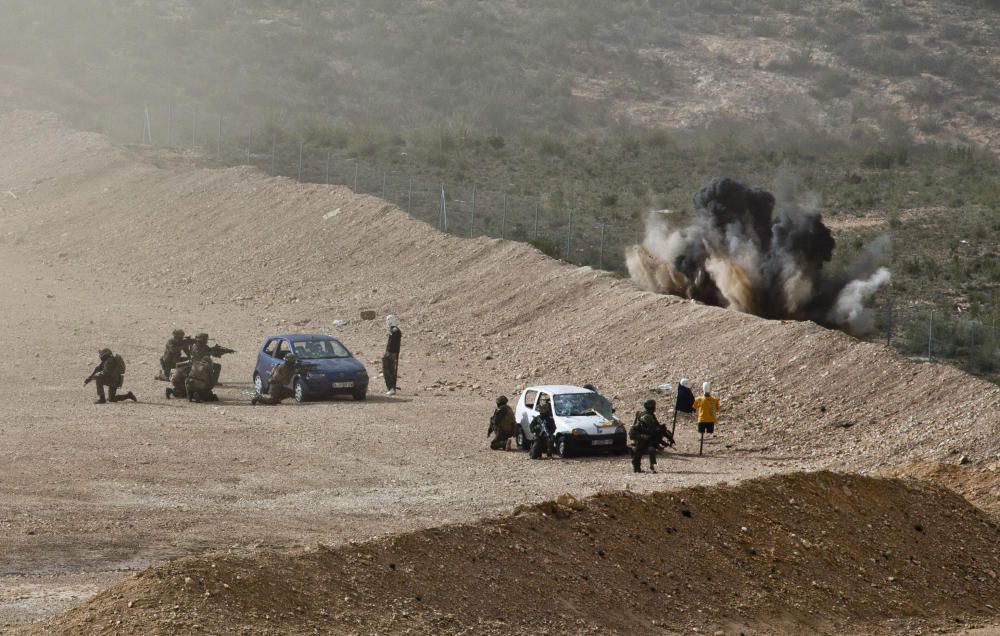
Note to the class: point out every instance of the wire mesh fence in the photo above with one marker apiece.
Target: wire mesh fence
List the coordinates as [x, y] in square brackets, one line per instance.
[467, 210]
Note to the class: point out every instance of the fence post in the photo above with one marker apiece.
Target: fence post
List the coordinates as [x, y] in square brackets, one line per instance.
[147, 134]
[503, 218]
[536, 222]
[249, 143]
[355, 188]
[888, 327]
[569, 237]
[444, 210]
[472, 220]
[383, 184]
[327, 169]
[930, 338]
[274, 152]
[600, 254]
[301, 146]
[409, 197]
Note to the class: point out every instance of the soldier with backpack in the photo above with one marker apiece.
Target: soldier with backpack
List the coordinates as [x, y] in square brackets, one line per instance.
[645, 433]
[110, 373]
[543, 427]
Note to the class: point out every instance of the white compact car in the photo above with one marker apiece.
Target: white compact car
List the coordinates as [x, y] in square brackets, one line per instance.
[584, 420]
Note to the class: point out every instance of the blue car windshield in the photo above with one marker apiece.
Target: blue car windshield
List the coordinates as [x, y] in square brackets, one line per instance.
[320, 350]
[572, 404]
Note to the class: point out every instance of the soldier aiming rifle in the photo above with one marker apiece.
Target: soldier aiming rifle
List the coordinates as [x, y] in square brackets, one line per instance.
[110, 373]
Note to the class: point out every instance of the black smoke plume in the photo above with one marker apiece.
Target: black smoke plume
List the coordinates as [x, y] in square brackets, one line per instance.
[743, 253]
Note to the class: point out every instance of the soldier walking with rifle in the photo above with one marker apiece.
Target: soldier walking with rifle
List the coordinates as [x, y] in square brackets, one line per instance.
[109, 372]
[645, 433]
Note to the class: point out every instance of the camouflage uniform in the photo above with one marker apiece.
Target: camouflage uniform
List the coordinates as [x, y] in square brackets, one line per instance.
[179, 380]
[201, 348]
[200, 381]
[281, 375]
[543, 427]
[503, 424]
[177, 347]
[110, 373]
[645, 433]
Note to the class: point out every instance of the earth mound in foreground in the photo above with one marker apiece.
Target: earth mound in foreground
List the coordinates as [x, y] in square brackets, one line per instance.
[800, 553]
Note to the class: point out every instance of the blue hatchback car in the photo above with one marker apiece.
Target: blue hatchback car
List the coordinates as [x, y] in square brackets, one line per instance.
[332, 369]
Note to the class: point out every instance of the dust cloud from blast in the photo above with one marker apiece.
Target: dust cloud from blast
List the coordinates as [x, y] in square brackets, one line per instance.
[754, 253]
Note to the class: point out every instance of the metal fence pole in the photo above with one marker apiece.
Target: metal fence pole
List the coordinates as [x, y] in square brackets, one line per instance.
[409, 196]
[327, 168]
[274, 152]
[383, 184]
[472, 219]
[600, 254]
[536, 222]
[503, 218]
[301, 146]
[930, 338]
[569, 237]
[355, 176]
[888, 327]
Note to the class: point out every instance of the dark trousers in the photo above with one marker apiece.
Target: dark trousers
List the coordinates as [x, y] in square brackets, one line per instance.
[643, 447]
[390, 369]
[112, 390]
[275, 394]
[500, 441]
[539, 445]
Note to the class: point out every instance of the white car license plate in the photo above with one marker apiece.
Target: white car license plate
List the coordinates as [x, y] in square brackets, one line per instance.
[342, 385]
[603, 442]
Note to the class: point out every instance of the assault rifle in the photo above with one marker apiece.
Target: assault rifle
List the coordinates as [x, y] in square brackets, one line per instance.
[93, 374]
[217, 351]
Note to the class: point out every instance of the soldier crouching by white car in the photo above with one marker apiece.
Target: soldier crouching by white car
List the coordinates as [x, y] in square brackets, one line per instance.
[543, 427]
[502, 423]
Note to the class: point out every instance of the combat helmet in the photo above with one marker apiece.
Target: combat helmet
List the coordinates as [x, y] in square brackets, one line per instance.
[104, 353]
[178, 333]
[202, 337]
[290, 357]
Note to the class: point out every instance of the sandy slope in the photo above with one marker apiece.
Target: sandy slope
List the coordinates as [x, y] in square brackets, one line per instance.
[235, 234]
[99, 245]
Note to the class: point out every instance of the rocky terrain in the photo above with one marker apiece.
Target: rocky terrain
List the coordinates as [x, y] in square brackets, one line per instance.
[102, 247]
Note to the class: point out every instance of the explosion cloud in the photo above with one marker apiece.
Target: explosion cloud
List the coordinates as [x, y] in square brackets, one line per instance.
[742, 253]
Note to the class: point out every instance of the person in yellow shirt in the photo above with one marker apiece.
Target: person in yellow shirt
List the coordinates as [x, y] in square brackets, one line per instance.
[707, 407]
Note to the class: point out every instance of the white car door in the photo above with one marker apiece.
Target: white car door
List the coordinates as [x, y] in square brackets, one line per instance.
[526, 411]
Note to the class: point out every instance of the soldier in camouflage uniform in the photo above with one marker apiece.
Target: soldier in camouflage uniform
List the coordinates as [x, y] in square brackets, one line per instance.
[179, 380]
[201, 348]
[177, 348]
[110, 373]
[543, 427]
[200, 381]
[503, 424]
[645, 432]
[277, 389]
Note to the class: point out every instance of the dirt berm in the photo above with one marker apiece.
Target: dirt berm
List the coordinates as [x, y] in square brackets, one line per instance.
[798, 553]
[275, 248]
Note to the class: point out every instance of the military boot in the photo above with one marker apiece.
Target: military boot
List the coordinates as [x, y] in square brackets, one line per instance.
[169, 393]
[100, 401]
[131, 396]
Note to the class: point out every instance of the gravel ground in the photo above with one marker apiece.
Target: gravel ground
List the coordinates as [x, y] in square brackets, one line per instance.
[103, 246]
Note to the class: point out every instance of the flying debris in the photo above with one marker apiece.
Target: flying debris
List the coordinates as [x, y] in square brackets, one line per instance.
[748, 251]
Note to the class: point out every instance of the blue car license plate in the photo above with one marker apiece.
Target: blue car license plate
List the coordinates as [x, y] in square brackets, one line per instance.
[342, 385]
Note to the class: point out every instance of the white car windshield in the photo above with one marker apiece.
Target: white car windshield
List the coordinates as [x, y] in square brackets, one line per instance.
[320, 349]
[573, 404]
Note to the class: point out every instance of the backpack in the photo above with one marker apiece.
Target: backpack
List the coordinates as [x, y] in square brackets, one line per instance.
[634, 430]
[120, 363]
